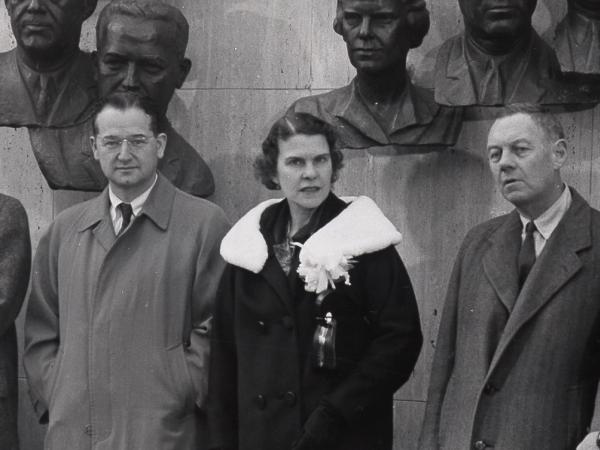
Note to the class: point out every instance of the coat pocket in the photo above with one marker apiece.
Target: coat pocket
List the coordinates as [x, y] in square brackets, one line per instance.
[181, 380]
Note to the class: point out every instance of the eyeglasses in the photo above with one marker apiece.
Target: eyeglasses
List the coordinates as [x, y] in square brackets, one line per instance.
[116, 142]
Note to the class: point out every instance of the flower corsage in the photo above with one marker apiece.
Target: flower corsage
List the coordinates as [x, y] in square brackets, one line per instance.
[320, 276]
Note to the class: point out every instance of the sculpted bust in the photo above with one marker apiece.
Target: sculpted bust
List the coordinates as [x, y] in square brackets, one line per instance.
[381, 106]
[141, 49]
[577, 39]
[46, 80]
[498, 59]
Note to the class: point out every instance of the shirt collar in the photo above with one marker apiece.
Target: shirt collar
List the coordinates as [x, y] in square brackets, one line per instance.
[136, 204]
[547, 222]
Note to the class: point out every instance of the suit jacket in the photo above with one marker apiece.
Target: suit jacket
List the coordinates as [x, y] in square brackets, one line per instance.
[74, 101]
[15, 261]
[527, 378]
[529, 72]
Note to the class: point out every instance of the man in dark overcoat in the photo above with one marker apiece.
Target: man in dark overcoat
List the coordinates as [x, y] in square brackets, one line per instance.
[15, 262]
[517, 357]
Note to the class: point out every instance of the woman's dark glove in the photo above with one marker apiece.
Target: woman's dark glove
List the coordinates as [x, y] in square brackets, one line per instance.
[322, 430]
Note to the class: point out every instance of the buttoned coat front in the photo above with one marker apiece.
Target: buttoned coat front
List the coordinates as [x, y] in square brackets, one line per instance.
[528, 379]
[263, 382]
[117, 327]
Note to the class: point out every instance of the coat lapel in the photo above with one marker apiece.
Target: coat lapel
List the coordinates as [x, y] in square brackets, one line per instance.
[275, 277]
[500, 261]
[556, 265]
[97, 216]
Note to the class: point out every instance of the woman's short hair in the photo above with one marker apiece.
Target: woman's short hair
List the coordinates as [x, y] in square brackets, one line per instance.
[417, 20]
[265, 165]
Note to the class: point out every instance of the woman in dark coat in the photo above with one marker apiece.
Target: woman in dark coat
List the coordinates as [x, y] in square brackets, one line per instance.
[316, 324]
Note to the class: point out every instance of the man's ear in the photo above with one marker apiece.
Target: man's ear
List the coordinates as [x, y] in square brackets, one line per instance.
[9, 8]
[337, 22]
[185, 65]
[94, 147]
[161, 139]
[95, 67]
[559, 153]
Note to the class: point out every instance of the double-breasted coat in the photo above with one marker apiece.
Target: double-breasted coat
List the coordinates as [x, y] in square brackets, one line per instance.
[15, 260]
[525, 376]
[264, 384]
[116, 332]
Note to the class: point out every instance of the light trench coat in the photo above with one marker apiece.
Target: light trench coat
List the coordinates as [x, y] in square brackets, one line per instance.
[117, 327]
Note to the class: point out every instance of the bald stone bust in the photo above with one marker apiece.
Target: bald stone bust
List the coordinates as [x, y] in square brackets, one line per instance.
[141, 49]
[498, 59]
[46, 80]
[577, 39]
[381, 106]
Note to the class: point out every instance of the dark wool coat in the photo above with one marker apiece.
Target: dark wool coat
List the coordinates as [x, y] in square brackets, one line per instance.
[263, 384]
[15, 261]
[528, 379]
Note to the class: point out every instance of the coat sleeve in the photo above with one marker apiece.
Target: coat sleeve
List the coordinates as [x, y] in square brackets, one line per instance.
[42, 324]
[396, 341]
[209, 269]
[15, 261]
[222, 394]
[443, 361]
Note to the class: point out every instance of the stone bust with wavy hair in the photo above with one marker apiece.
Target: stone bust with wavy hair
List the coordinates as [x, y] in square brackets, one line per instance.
[381, 106]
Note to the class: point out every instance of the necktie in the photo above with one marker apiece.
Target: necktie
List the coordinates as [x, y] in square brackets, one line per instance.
[126, 212]
[527, 253]
[44, 96]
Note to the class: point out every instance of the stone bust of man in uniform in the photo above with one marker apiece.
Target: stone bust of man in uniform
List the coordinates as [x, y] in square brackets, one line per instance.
[381, 106]
[46, 80]
[498, 59]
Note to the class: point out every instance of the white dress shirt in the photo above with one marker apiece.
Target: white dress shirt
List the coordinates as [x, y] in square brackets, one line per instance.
[547, 222]
[136, 205]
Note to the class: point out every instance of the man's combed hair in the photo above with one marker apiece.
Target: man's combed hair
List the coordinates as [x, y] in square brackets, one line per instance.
[541, 115]
[265, 165]
[148, 10]
[122, 101]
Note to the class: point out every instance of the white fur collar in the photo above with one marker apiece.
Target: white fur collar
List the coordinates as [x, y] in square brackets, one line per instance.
[360, 228]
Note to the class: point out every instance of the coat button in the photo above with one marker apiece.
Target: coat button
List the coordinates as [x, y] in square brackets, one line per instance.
[288, 322]
[480, 445]
[489, 389]
[289, 398]
[262, 326]
[88, 430]
[260, 401]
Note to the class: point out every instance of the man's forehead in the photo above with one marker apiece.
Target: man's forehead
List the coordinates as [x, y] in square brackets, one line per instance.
[111, 120]
[519, 126]
[137, 31]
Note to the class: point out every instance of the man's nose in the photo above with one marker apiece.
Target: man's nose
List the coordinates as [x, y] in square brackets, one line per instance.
[34, 5]
[131, 81]
[124, 151]
[506, 160]
[365, 27]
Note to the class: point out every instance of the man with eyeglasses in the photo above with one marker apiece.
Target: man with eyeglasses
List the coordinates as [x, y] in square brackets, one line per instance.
[116, 332]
